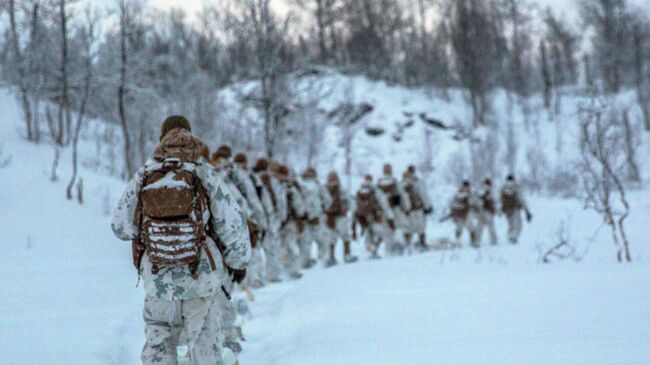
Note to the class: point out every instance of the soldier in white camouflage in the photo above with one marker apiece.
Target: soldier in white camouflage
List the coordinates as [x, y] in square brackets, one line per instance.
[399, 204]
[512, 204]
[337, 220]
[420, 207]
[460, 212]
[258, 199]
[373, 214]
[184, 298]
[486, 211]
[316, 197]
[293, 225]
[230, 333]
[276, 214]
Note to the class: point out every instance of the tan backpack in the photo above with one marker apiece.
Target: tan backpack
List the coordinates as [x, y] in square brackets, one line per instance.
[414, 197]
[171, 206]
[368, 208]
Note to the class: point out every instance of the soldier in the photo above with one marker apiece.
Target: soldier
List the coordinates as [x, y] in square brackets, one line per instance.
[486, 211]
[293, 225]
[460, 210]
[187, 235]
[316, 198]
[420, 208]
[271, 241]
[257, 199]
[230, 332]
[512, 202]
[375, 217]
[337, 221]
[399, 204]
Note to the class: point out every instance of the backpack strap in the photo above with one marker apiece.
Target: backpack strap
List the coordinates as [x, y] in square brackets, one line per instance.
[137, 248]
[210, 231]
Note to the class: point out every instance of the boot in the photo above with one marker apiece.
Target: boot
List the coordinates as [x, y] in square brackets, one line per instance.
[308, 264]
[295, 275]
[256, 284]
[472, 239]
[234, 346]
[331, 260]
[348, 257]
[422, 243]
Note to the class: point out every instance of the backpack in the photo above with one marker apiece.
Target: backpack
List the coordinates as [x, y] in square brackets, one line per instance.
[368, 210]
[460, 206]
[488, 202]
[509, 201]
[414, 197]
[171, 206]
[339, 206]
[391, 192]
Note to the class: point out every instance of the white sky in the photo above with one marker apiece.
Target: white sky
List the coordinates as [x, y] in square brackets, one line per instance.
[564, 8]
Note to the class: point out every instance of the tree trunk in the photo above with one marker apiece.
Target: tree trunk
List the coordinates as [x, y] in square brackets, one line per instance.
[20, 68]
[121, 92]
[630, 152]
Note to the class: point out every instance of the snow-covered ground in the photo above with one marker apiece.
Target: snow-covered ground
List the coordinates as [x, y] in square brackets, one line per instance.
[69, 295]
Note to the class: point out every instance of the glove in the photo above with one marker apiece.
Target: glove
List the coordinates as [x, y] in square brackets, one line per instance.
[529, 217]
[428, 211]
[238, 275]
[391, 224]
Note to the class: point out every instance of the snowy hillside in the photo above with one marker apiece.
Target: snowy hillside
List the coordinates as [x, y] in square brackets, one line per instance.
[432, 130]
[69, 291]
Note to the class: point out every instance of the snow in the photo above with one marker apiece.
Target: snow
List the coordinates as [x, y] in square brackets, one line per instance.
[497, 305]
[168, 182]
[69, 295]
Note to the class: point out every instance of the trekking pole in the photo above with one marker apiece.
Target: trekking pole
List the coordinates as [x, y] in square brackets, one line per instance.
[223, 289]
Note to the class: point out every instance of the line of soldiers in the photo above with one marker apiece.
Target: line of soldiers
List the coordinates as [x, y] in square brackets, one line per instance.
[288, 215]
[201, 224]
[475, 212]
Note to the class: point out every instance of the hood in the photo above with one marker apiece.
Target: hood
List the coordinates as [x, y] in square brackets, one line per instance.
[179, 143]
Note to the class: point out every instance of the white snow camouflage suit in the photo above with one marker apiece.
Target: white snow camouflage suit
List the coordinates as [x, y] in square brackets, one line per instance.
[174, 301]
[292, 229]
[316, 197]
[398, 203]
[377, 231]
[419, 202]
[258, 202]
[513, 214]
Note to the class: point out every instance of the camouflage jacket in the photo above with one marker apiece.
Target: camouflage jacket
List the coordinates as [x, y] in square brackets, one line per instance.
[246, 183]
[404, 202]
[228, 220]
[317, 198]
[418, 189]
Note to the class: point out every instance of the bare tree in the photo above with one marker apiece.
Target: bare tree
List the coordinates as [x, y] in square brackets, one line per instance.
[633, 173]
[601, 168]
[546, 75]
[125, 19]
[274, 94]
[326, 13]
[609, 19]
[88, 38]
[20, 70]
[641, 34]
[478, 51]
